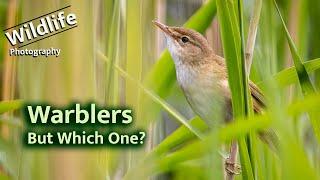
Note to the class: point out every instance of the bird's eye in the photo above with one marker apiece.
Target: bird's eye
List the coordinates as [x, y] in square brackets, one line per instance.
[185, 39]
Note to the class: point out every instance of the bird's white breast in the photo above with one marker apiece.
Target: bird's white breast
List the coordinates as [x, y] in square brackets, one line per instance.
[201, 92]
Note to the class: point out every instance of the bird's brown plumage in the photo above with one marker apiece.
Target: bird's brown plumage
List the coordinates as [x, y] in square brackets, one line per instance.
[203, 76]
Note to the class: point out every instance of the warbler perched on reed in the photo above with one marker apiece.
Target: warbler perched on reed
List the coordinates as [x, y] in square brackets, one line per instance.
[203, 78]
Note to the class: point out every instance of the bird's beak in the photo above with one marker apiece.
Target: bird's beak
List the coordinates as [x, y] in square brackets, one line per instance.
[163, 27]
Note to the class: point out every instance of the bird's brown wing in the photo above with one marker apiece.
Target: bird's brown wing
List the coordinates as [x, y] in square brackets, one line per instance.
[268, 135]
[257, 97]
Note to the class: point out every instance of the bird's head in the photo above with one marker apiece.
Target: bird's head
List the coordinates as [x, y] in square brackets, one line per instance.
[185, 45]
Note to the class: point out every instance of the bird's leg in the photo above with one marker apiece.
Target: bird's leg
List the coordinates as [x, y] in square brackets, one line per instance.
[231, 167]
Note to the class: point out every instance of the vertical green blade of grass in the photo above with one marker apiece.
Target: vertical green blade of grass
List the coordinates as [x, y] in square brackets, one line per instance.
[133, 66]
[251, 144]
[112, 54]
[235, 63]
[313, 48]
[270, 55]
[111, 36]
[249, 51]
[108, 7]
[302, 43]
[231, 45]
[134, 46]
[252, 34]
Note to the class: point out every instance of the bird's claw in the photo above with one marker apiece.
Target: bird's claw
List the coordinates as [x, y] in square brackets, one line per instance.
[232, 168]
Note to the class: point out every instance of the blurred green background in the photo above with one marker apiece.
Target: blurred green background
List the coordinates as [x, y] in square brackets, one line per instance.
[117, 57]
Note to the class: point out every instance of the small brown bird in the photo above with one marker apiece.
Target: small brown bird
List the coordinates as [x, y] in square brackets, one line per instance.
[202, 75]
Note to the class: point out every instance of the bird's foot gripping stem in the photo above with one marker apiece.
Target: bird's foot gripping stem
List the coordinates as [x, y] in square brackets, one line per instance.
[232, 167]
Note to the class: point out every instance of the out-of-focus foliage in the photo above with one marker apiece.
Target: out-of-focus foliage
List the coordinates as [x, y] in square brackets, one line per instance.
[110, 58]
